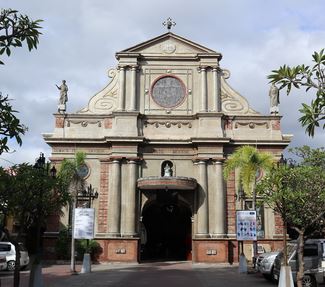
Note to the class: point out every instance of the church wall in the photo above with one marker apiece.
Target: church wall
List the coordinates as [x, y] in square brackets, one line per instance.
[127, 135]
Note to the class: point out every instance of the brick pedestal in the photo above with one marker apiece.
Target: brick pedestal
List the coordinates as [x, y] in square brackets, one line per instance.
[119, 250]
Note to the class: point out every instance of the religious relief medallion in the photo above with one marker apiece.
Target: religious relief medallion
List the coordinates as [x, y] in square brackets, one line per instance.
[168, 91]
[168, 48]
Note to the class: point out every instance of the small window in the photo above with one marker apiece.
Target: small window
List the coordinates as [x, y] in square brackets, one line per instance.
[5, 247]
[311, 250]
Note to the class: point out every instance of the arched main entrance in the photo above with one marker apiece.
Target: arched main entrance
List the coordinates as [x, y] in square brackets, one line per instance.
[167, 224]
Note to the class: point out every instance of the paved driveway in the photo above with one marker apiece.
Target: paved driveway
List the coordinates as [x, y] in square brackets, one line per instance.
[167, 274]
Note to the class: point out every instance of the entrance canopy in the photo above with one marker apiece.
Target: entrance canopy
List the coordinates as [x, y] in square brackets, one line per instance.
[167, 183]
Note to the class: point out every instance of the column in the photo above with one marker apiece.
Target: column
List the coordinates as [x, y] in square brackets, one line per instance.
[204, 89]
[220, 201]
[121, 105]
[216, 89]
[114, 199]
[133, 102]
[202, 212]
[129, 200]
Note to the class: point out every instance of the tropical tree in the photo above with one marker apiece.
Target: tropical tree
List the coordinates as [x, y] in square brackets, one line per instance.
[74, 182]
[31, 195]
[309, 77]
[15, 29]
[10, 126]
[298, 195]
[249, 161]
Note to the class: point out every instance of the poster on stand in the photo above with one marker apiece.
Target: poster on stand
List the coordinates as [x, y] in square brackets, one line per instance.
[246, 225]
[84, 223]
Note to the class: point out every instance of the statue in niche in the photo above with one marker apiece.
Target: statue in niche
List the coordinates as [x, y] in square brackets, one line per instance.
[167, 170]
[63, 96]
[274, 99]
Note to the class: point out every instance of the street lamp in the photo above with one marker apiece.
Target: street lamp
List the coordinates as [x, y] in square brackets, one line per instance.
[43, 167]
[87, 195]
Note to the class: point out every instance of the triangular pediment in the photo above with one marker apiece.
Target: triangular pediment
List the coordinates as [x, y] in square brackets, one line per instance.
[170, 43]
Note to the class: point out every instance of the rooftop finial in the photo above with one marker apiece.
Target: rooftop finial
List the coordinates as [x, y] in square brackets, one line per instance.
[169, 23]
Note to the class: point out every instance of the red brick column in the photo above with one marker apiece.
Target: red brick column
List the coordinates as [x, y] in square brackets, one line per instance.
[231, 204]
[103, 197]
[278, 226]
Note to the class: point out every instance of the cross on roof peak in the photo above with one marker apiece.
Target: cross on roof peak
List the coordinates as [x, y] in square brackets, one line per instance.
[169, 23]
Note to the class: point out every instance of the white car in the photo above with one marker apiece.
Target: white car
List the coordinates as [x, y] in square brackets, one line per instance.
[266, 264]
[8, 251]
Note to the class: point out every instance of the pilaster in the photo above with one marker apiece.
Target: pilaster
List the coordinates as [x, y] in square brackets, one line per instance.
[202, 199]
[114, 199]
[121, 103]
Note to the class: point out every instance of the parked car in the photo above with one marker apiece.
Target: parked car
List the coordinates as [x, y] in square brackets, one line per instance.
[265, 264]
[8, 251]
[314, 259]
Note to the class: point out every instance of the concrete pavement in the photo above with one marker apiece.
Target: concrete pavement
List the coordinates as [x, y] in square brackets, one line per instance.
[160, 274]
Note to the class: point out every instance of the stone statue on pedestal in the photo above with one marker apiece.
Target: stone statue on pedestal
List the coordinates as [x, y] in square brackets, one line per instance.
[274, 99]
[63, 96]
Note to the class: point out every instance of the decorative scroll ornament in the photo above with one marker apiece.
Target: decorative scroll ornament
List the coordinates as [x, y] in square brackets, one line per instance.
[232, 102]
[104, 101]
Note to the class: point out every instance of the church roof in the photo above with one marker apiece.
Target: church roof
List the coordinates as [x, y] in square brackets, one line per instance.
[169, 37]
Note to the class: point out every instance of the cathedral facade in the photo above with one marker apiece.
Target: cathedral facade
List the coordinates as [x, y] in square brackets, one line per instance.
[155, 139]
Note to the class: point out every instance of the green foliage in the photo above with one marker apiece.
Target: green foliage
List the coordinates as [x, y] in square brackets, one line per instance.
[63, 245]
[68, 173]
[297, 194]
[15, 29]
[10, 126]
[31, 194]
[309, 77]
[309, 156]
[249, 161]
[94, 249]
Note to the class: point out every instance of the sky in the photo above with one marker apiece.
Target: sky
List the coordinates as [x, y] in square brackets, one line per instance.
[80, 38]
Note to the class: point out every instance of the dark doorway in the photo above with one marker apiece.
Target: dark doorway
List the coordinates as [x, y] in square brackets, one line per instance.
[167, 222]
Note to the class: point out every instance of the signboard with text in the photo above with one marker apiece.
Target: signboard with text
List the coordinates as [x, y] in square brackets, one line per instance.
[84, 223]
[246, 225]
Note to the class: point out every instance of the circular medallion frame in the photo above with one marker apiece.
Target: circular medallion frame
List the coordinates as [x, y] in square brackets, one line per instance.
[168, 91]
[83, 171]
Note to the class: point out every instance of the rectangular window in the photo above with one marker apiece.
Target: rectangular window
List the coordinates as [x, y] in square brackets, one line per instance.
[311, 250]
[5, 247]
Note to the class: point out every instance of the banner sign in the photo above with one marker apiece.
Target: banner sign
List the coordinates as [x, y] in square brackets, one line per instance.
[246, 225]
[84, 223]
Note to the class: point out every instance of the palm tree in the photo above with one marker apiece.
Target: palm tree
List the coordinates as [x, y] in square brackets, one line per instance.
[249, 161]
[74, 182]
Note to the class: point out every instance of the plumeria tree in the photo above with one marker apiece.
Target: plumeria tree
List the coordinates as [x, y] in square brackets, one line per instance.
[298, 195]
[311, 78]
[15, 30]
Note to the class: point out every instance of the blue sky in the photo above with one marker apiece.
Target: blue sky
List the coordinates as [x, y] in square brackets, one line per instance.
[80, 38]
